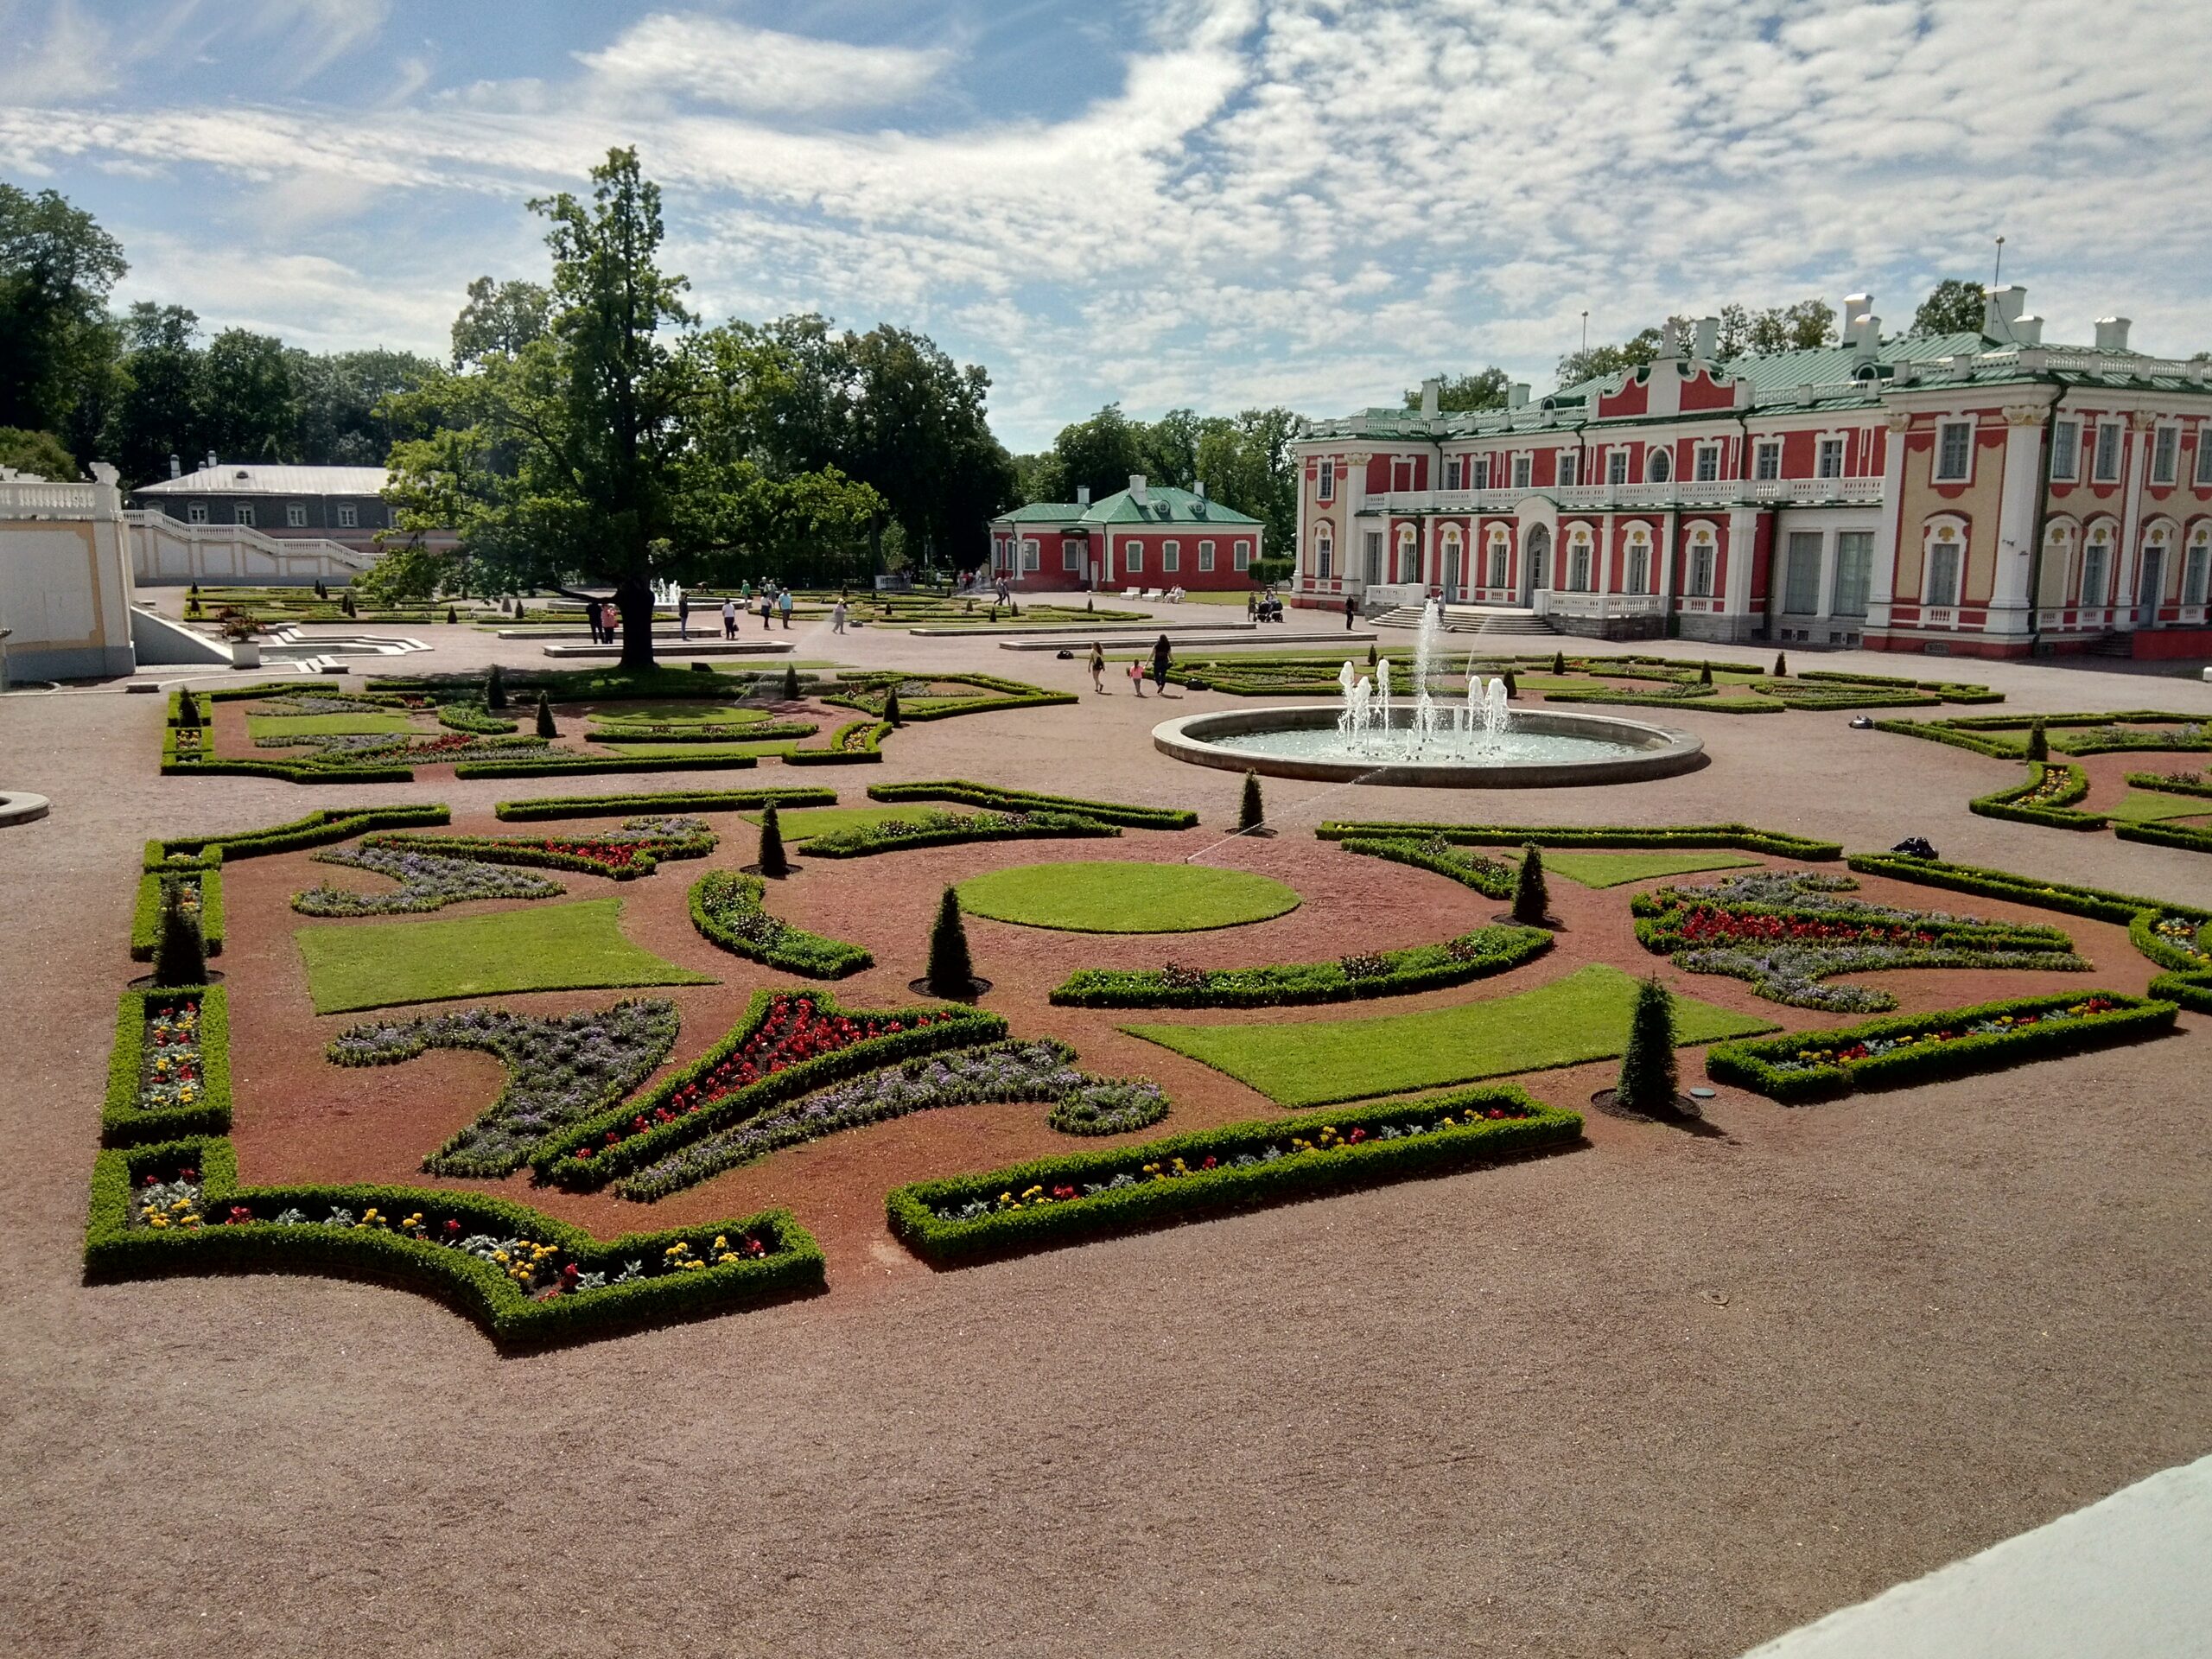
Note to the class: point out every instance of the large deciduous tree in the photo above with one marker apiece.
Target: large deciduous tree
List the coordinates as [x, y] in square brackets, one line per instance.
[1459, 393]
[248, 398]
[1953, 307]
[57, 342]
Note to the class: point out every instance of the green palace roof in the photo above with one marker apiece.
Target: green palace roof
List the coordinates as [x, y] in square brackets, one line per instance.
[1162, 505]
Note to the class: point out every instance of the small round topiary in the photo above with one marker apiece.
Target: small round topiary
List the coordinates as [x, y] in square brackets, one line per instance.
[2038, 745]
[1559, 661]
[495, 689]
[1705, 674]
[1512, 687]
[452, 615]
[791, 684]
[1780, 666]
[890, 706]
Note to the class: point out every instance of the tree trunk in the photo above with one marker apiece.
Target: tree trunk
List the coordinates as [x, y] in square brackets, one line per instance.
[633, 599]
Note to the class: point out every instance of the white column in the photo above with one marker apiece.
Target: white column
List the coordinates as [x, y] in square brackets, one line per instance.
[1429, 571]
[1882, 574]
[2129, 556]
[1351, 495]
[2011, 606]
[1742, 542]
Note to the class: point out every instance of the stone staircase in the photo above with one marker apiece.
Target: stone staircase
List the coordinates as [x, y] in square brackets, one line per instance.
[1491, 620]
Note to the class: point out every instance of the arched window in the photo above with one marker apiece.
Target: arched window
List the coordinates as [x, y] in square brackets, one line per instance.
[1946, 557]
[2056, 580]
[1407, 570]
[1453, 568]
[1578, 564]
[1702, 560]
[1498, 556]
[1637, 576]
[1658, 467]
[2096, 566]
[1540, 556]
[2196, 567]
[1324, 549]
[2151, 568]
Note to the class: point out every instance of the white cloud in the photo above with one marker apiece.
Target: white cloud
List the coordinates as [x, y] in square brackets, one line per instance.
[758, 70]
[69, 58]
[317, 32]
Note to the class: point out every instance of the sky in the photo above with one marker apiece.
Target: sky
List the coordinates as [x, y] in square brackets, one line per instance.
[1211, 203]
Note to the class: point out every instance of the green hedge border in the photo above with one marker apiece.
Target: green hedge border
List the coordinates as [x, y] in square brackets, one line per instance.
[555, 1160]
[911, 1209]
[2160, 784]
[588, 764]
[2187, 837]
[497, 849]
[816, 955]
[1986, 733]
[1745, 1064]
[1738, 837]
[122, 1122]
[146, 914]
[998, 694]
[317, 828]
[867, 841]
[2058, 813]
[1410, 851]
[1416, 968]
[674, 800]
[860, 743]
[992, 798]
[115, 1250]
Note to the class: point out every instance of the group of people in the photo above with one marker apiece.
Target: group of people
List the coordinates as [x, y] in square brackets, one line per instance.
[1162, 659]
[604, 620]
[1264, 608]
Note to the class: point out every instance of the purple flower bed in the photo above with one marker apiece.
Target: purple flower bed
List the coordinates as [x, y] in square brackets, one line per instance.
[426, 881]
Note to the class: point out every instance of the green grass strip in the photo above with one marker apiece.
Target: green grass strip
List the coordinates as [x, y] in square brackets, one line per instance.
[1616, 869]
[652, 802]
[1110, 896]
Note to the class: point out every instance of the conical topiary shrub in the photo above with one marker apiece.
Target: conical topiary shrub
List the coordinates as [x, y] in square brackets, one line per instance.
[1648, 1080]
[179, 954]
[951, 972]
[452, 615]
[1250, 812]
[545, 726]
[187, 710]
[1559, 661]
[1532, 900]
[1371, 656]
[2038, 745]
[773, 860]
[1705, 674]
[1780, 666]
[890, 706]
[495, 689]
[346, 603]
[791, 682]
[1512, 687]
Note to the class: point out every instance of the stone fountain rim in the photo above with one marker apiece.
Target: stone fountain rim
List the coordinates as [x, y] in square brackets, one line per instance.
[1661, 751]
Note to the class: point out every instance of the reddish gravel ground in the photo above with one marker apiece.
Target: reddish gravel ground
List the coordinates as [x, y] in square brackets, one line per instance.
[1667, 1395]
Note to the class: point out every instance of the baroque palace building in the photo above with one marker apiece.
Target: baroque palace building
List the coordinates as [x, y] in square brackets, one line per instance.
[1977, 495]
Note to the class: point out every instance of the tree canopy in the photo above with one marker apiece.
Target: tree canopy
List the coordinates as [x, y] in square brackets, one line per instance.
[1806, 326]
[1953, 307]
[1460, 393]
[57, 267]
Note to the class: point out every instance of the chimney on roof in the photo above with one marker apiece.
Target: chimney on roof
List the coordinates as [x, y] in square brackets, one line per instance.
[211, 463]
[1516, 395]
[1708, 339]
[1083, 495]
[1855, 305]
[1671, 340]
[176, 467]
[1137, 488]
[1199, 489]
[2001, 308]
[1432, 396]
[1865, 336]
[2027, 331]
[2111, 333]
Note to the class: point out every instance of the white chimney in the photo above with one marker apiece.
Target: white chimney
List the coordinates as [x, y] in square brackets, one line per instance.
[176, 467]
[2000, 307]
[1865, 336]
[1137, 488]
[1855, 305]
[1083, 495]
[1516, 395]
[2111, 333]
[211, 463]
[2027, 331]
[1708, 339]
[1431, 397]
[1198, 488]
[1670, 339]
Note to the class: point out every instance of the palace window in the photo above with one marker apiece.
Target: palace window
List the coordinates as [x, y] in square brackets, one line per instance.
[2107, 467]
[1323, 552]
[1241, 558]
[243, 514]
[1133, 557]
[1800, 592]
[1578, 567]
[2204, 456]
[196, 513]
[349, 516]
[1942, 582]
[1830, 464]
[1638, 578]
[1497, 562]
[1206, 555]
[1401, 473]
[1567, 458]
[1374, 555]
[1708, 463]
[1071, 556]
[1170, 556]
[2165, 455]
[1855, 563]
[1454, 471]
[1766, 463]
[1523, 467]
[1325, 490]
[1617, 466]
[1658, 467]
[1031, 553]
[1701, 552]
[1955, 452]
[2065, 450]
[2195, 570]
[295, 514]
[2094, 559]
[1482, 473]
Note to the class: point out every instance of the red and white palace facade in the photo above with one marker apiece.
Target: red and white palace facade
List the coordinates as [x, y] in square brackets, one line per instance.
[1976, 494]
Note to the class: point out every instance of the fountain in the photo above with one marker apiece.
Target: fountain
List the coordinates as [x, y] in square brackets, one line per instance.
[1370, 735]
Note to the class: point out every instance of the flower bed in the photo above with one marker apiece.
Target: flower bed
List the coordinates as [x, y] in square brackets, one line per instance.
[1012, 1071]
[1952, 1042]
[560, 1070]
[1389, 973]
[992, 798]
[633, 850]
[1489, 876]
[2006, 736]
[1741, 837]
[316, 829]
[1126, 1189]
[169, 1072]
[525, 1277]
[726, 909]
[199, 895]
[788, 1044]
[426, 881]
[1783, 933]
[919, 700]
[859, 743]
[674, 800]
[2052, 788]
[759, 732]
[565, 763]
[939, 828]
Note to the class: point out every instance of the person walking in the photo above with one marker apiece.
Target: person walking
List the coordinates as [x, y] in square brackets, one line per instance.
[609, 619]
[1137, 676]
[837, 616]
[783, 604]
[1097, 668]
[1160, 660]
[1351, 609]
[767, 606]
[730, 619]
[684, 616]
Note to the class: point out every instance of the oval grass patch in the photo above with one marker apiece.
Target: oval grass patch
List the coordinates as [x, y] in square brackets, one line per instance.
[1112, 896]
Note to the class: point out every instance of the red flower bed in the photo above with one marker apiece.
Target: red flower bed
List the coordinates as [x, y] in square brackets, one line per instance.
[1701, 924]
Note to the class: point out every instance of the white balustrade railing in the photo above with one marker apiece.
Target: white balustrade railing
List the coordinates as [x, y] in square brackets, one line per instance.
[1630, 496]
[36, 498]
[1602, 607]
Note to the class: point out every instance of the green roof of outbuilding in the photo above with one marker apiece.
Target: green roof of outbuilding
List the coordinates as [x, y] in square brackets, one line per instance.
[1050, 512]
[1161, 505]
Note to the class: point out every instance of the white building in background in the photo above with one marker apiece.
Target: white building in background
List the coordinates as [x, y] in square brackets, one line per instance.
[1981, 494]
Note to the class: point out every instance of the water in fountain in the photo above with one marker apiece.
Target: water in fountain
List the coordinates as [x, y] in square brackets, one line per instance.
[1477, 728]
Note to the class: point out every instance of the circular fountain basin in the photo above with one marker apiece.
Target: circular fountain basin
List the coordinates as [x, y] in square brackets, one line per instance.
[1544, 749]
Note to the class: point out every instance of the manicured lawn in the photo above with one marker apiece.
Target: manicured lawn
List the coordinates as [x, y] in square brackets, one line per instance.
[1317, 1063]
[1611, 869]
[824, 820]
[551, 948]
[2143, 806]
[261, 726]
[1112, 897]
[675, 714]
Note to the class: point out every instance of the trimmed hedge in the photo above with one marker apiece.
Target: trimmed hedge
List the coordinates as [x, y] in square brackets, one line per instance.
[2189, 838]
[499, 849]
[718, 892]
[860, 743]
[862, 841]
[2165, 785]
[761, 732]
[2067, 782]
[947, 1027]
[993, 798]
[122, 1121]
[1989, 734]
[1739, 838]
[574, 765]
[997, 694]
[510, 1314]
[1491, 880]
[669, 800]
[1751, 1066]
[316, 829]
[1391, 973]
[1158, 1196]
[146, 917]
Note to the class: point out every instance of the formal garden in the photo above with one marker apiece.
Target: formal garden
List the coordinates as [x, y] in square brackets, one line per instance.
[681, 1003]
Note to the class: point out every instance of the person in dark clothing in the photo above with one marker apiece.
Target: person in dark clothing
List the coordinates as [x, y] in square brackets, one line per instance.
[1161, 657]
[684, 617]
[1351, 609]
